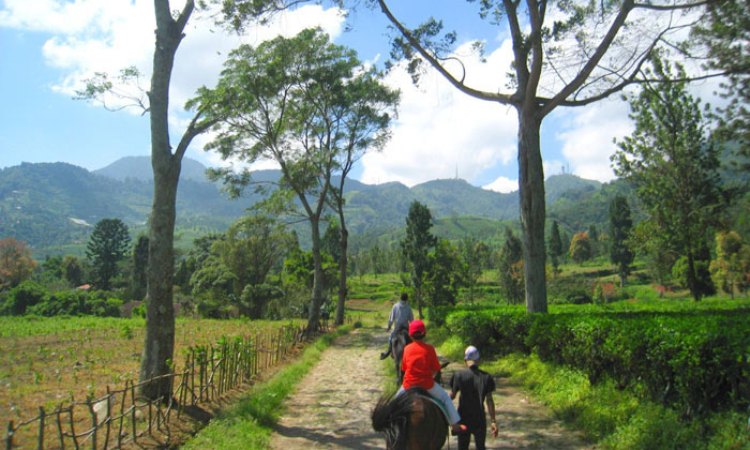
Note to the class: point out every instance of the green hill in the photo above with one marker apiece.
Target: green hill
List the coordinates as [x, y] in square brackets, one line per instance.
[55, 205]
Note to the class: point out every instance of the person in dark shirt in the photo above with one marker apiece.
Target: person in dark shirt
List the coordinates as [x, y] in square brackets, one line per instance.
[476, 387]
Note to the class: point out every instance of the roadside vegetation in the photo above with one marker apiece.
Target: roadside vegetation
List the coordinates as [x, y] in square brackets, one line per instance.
[249, 423]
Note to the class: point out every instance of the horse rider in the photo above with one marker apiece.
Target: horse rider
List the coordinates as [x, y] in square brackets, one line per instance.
[420, 365]
[401, 316]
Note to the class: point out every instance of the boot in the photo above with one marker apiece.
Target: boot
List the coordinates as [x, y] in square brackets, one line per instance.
[385, 354]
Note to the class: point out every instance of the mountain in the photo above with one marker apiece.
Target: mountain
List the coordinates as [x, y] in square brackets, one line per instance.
[53, 204]
[139, 168]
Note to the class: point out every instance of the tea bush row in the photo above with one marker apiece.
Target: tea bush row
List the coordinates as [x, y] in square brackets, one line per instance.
[694, 361]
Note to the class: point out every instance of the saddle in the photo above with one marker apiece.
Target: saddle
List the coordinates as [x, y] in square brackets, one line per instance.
[419, 392]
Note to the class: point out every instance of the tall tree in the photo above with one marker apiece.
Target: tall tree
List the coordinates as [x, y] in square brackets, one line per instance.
[594, 239]
[289, 100]
[443, 279]
[416, 247]
[727, 35]
[158, 349]
[140, 268]
[620, 226]
[511, 268]
[674, 167]
[613, 42]
[473, 255]
[107, 245]
[16, 263]
[365, 112]
[555, 247]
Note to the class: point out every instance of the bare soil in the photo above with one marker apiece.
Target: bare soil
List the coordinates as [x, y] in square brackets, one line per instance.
[331, 407]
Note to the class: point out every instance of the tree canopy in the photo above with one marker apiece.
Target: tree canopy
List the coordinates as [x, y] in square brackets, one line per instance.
[300, 102]
[575, 55]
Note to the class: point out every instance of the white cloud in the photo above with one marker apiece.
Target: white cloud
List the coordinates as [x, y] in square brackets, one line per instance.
[441, 132]
[587, 139]
[503, 185]
[89, 36]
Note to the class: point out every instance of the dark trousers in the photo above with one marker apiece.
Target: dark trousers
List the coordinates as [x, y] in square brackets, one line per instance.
[479, 433]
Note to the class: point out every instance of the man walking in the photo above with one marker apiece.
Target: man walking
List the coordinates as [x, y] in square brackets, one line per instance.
[401, 315]
[476, 387]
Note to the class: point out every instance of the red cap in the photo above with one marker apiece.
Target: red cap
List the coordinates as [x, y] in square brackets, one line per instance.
[416, 327]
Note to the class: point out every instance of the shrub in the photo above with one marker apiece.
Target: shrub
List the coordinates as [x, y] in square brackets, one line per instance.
[23, 297]
[695, 361]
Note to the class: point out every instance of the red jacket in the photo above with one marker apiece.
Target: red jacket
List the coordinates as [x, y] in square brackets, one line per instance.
[420, 363]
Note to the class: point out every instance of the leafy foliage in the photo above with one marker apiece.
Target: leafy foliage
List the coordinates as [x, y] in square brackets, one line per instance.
[694, 361]
[16, 263]
[580, 247]
[620, 225]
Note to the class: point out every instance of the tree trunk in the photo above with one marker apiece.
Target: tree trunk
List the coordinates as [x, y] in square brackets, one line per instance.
[343, 263]
[158, 350]
[531, 192]
[313, 319]
[692, 278]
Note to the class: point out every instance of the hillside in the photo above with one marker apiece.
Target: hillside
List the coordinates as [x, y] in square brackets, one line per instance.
[55, 204]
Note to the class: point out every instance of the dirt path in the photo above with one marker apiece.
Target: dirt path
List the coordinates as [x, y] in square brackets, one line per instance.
[331, 407]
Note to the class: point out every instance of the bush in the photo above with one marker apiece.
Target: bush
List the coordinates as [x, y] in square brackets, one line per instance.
[695, 361]
[23, 297]
[39, 302]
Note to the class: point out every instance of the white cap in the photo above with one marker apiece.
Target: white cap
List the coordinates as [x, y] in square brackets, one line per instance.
[471, 353]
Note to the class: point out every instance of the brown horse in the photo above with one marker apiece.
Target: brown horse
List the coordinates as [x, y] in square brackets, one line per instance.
[410, 421]
[400, 340]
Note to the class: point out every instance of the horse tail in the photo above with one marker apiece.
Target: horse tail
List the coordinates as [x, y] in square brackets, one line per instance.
[391, 416]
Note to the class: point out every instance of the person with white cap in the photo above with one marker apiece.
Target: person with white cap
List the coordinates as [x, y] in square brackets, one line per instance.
[476, 387]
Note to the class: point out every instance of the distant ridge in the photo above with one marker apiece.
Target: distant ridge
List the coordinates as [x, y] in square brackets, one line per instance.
[139, 168]
[48, 205]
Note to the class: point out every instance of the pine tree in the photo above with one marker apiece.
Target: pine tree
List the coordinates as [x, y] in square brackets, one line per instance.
[555, 248]
[416, 247]
[107, 246]
[620, 225]
[674, 168]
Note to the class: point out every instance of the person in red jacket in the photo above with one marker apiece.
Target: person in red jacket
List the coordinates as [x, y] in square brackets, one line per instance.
[420, 365]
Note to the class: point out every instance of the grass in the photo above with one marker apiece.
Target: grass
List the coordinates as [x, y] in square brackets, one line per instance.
[249, 424]
[616, 419]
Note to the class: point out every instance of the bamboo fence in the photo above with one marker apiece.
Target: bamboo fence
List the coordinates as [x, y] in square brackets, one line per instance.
[121, 418]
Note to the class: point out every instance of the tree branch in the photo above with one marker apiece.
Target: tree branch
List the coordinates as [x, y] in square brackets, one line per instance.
[591, 64]
[435, 62]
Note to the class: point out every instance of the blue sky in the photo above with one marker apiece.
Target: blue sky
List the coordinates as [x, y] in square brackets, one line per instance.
[48, 46]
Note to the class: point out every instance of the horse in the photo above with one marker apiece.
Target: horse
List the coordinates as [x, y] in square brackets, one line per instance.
[400, 340]
[410, 421]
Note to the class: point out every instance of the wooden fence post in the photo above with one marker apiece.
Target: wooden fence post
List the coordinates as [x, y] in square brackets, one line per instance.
[58, 410]
[133, 412]
[94, 424]
[40, 437]
[122, 414]
[9, 436]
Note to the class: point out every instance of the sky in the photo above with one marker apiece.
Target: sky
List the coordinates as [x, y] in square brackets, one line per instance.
[48, 47]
